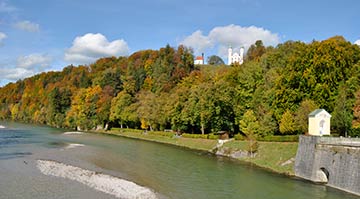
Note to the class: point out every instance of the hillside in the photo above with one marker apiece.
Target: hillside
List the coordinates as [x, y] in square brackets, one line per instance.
[271, 93]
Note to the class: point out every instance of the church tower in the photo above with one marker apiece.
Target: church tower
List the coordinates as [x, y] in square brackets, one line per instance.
[241, 61]
[230, 55]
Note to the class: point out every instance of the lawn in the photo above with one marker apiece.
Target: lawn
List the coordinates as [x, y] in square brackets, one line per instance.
[270, 155]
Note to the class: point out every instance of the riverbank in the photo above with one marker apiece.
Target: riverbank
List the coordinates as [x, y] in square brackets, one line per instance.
[278, 157]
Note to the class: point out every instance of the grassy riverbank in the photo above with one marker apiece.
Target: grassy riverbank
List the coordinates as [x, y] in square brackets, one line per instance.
[276, 156]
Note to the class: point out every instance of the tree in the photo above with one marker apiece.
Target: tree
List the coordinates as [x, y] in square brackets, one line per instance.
[250, 127]
[256, 51]
[287, 123]
[152, 110]
[59, 103]
[342, 116]
[122, 110]
[356, 110]
[302, 114]
[215, 60]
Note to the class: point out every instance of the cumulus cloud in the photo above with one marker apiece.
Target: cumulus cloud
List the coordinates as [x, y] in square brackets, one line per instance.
[25, 66]
[2, 37]
[232, 35]
[27, 26]
[357, 42]
[198, 41]
[14, 74]
[34, 61]
[89, 47]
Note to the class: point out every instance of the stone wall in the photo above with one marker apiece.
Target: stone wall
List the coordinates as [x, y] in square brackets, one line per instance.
[334, 161]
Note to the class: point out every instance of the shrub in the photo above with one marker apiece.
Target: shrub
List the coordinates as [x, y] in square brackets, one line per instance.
[355, 132]
[162, 133]
[187, 135]
[277, 138]
[126, 130]
[212, 136]
[239, 137]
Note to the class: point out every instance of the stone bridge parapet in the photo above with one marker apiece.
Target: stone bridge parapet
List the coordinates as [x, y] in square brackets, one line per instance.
[334, 161]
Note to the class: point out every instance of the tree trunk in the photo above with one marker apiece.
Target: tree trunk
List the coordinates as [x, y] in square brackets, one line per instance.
[202, 129]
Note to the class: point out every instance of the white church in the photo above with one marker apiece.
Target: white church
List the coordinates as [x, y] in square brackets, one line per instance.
[235, 57]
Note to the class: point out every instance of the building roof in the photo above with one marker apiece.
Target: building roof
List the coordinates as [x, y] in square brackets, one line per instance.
[318, 111]
[199, 58]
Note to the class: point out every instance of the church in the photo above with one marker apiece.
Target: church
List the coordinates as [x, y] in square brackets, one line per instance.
[235, 57]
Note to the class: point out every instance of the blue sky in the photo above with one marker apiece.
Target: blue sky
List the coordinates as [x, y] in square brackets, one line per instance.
[43, 35]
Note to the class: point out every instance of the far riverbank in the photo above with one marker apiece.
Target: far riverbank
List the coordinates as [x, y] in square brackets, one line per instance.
[278, 157]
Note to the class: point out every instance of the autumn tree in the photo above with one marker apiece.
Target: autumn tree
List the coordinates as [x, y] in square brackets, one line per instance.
[255, 51]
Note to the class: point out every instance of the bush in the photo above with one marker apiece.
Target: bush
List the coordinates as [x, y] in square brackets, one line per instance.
[212, 136]
[355, 132]
[239, 137]
[187, 135]
[127, 130]
[161, 133]
[278, 138]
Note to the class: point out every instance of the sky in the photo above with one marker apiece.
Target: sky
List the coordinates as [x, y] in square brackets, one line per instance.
[46, 35]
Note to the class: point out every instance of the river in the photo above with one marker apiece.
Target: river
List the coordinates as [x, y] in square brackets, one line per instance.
[170, 171]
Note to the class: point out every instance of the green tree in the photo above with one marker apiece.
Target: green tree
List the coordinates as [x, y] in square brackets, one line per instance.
[59, 103]
[342, 115]
[122, 109]
[287, 123]
[250, 126]
[215, 60]
[302, 114]
[356, 111]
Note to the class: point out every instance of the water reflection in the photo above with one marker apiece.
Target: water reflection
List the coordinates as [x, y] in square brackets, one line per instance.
[172, 171]
[6, 156]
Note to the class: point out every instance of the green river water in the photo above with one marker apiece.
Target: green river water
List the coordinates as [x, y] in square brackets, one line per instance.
[172, 172]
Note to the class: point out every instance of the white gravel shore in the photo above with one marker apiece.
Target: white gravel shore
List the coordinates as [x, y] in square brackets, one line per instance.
[102, 182]
[73, 145]
[73, 133]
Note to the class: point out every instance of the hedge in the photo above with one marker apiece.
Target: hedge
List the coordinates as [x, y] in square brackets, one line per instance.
[279, 138]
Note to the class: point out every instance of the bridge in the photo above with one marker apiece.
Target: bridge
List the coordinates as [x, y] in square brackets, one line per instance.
[332, 161]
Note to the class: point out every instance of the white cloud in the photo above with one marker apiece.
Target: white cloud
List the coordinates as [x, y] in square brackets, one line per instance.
[2, 37]
[197, 41]
[27, 26]
[14, 74]
[34, 61]
[89, 47]
[224, 36]
[25, 66]
[357, 42]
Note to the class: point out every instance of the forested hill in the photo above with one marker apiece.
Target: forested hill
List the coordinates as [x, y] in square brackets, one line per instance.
[271, 93]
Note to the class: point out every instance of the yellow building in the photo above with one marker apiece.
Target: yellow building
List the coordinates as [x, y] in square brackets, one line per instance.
[319, 122]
